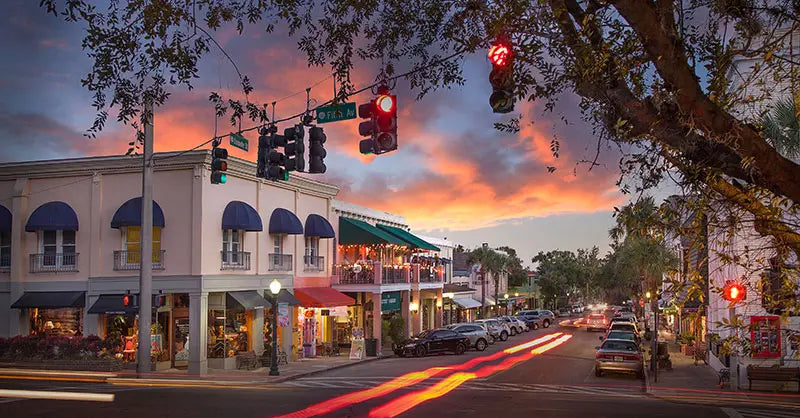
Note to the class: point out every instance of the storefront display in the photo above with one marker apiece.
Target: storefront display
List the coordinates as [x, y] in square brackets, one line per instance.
[227, 333]
[62, 322]
[765, 334]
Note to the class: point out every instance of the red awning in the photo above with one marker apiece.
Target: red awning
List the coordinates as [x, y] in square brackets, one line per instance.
[322, 297]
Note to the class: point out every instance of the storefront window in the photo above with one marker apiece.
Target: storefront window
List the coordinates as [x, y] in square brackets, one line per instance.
[64, 322]
[227, 332]
[765, 334]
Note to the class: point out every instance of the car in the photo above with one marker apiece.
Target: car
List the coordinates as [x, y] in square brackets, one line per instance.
[625, 315]
[546, 317]
[562, 312]
[577, 309]
[621, 320]
[596, 321]
[622, 335]
[618, 356]
[529, 321]
[478, 335]
[624, 326]
[497, 329]
[515, 325]
[433, 341]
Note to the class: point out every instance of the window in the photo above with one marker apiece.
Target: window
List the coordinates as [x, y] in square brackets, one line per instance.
[57, 247]
[232, 245]
[132, 243]
[765, 334]
[5, 249]
[277, 244]
[312, 247]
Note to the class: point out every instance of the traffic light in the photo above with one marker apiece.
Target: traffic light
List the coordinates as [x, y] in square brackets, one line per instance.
[501, 55]
[382, 124]
[275, 159]
[219, 165]
[130, 301]
[316, 150]
[159, 301]
[263, 150]
[734, 292]
[294, 147]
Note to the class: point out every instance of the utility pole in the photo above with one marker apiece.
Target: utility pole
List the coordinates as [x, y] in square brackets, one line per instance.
[146, 236]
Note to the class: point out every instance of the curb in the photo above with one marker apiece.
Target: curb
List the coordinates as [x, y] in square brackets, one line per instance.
[315, 372]
[56, 374]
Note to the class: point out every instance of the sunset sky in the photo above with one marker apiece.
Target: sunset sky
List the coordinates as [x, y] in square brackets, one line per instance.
[453, 175]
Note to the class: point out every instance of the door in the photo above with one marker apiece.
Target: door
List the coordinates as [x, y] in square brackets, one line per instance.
[436, 342]
[180, 342]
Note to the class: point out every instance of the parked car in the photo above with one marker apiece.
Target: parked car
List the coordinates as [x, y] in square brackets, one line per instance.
[622, 335]
[577, 309]
[618, 355]
[515, 325]
[544, 316]
[478, 335]
[622, 320]
[433, 341]
[624, 326]
[529, 321]
[562, 312]
[498, 330]
[596, 321]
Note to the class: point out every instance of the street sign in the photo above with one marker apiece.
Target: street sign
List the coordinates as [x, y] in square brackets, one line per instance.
[390, 301]
[335, 113]
[240, 142]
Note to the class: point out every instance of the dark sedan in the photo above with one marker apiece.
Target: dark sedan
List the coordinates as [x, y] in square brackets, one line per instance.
[432, 341]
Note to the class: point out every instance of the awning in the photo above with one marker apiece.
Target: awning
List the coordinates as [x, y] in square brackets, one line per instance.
[53, 216]
[51, 300]
[111, 304]
[285, 297]
[413, 240]
[355, 232]
[317, 226]
[247, 299]
[467, 303]
[240, 215]
[490, 300]
[5, 219]
[130, 214]
[283, 221]
[322, 297]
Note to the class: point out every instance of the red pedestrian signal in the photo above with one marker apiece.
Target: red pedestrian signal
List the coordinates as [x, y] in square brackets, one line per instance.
[499, 54]
[501, 78]
[734, 292]
[126, 300]
[385, 103]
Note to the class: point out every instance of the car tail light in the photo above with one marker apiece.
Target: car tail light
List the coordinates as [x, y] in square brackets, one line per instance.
[598, 355]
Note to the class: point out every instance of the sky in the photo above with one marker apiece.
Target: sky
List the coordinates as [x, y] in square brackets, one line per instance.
[453, 175]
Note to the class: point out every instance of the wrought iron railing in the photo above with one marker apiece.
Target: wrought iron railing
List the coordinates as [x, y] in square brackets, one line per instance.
[53, 262]
[426, 275]
[280, 262]
[5, 262]
[394, 275]
[132, 260]
[313, 263]
[348, 275]
[235, 260]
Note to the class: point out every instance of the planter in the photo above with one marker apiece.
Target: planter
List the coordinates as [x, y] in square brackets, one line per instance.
[94, 365]
[162, 365]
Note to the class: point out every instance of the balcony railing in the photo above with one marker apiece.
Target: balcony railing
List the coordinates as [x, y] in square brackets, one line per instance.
[313, 263]
[53, 263]
[280, 262]
[426, 276]
[394, 275]
[235, 260]
[132, 260]
[348, 275]
[5, 262]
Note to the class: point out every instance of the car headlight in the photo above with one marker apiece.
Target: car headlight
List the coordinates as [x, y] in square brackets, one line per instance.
[409, 346]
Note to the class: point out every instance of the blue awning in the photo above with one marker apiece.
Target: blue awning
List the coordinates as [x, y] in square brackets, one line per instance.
[52, 216]
[130, 214]
[240, 215]
[317, 226]
[283, 221]
[5, 219]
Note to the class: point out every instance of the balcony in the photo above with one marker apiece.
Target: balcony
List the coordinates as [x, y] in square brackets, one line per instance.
[351, 275]
[313, 263]
[53, 263]
[395, 275]
[280, 262]
[131, 260]
[235, 260]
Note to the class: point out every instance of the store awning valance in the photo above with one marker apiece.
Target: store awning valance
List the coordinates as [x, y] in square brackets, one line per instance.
[247, 299]
[240, 215]
[5, 219]
[322, 297]
[355, 232]
[130, 214]
[111, 304]
[317, 226]
[53, 216]
[490, 301]
[413, 240]
[50, 300]
[467, 303]
[283, 221]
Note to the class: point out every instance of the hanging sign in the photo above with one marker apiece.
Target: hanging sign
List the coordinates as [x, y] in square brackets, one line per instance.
[334, 113]
[283, 314]
[239, 141]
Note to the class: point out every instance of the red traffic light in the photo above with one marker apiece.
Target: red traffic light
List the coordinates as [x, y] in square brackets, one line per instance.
[385, 103]
[126, 300]
[734, 292]
[499, 54]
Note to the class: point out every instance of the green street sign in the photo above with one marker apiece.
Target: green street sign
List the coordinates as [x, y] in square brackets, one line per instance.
[240, 142]
[335, 113]
[390, 301]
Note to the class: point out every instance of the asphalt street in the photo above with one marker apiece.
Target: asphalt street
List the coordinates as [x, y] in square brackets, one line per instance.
[507, 380]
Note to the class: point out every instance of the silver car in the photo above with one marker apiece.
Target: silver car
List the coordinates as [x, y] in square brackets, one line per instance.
[546, 317]
[478, 335]
[516, 326]
[618, 356]
[497, 329]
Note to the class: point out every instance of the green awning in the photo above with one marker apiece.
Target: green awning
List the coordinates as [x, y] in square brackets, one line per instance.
[413, 241]
[355, 232]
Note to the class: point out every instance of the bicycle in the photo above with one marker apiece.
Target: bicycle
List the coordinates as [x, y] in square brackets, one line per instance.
[724, 377]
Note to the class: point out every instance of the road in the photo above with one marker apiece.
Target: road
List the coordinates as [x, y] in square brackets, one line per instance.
[555, 381]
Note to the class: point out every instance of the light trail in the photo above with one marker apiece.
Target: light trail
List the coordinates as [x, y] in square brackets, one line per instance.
[60, 396]
[406, 402]
[406, 380]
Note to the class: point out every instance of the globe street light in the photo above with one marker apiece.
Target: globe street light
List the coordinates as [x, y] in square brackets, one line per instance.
[274, 288]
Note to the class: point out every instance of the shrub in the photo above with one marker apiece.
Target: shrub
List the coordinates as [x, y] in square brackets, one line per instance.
[35, 347]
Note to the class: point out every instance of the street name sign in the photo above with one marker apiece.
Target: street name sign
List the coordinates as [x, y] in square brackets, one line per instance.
[240, 142]
[335, 113]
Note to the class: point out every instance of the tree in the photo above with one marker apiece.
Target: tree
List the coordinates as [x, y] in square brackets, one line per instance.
[782, 128]
[493, 264]
[557, 272]
[517, 275]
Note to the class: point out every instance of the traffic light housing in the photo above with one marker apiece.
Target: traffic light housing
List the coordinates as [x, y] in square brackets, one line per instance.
[316, 150]
[381, 126]
[263, 150]
[219, 165]
[501, 55]
[734, 292]
[295, 148]
[130, 301]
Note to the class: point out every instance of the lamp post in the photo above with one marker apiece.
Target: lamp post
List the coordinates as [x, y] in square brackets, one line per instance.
[275, 288]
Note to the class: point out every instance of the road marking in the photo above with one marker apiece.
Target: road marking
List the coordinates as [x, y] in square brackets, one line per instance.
[61, 396]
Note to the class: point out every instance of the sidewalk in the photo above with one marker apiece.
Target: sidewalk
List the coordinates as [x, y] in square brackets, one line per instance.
[685, 374]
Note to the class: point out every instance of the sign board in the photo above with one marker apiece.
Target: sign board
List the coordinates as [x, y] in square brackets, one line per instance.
[239, 141]
[335, 113]
[390, 301]
[357, 349]
[283, 314]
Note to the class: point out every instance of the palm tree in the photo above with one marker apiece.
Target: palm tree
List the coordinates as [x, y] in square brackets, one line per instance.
[641, 218]
[492, 263]
[782, 128]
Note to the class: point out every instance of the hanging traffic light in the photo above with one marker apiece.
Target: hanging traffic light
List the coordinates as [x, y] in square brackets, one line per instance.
[126, 300]
[263, 150]
[382, 124]
[734, 292]
[501, 55]
[275, 159]
[316, 150]
[294, 147]
[219, 165]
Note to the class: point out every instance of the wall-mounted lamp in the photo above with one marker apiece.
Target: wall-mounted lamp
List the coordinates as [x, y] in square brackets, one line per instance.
[438, 303]
[413, 306]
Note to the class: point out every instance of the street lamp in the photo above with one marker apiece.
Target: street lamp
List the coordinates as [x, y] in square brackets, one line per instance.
[647, 295]
[516, 294]
[275, 288]
[505, 296]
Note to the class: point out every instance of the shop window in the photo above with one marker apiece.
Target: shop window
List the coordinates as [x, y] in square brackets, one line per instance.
[63, 322]
[227, 332]
[57, 248]
[232, 246]
[765, 334]
[5, 249]
[132, 243]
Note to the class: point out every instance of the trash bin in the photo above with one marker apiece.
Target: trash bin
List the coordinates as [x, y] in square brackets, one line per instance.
[663, 348]
[371, 347]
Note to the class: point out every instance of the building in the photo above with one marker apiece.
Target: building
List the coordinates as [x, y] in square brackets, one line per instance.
[72, 228]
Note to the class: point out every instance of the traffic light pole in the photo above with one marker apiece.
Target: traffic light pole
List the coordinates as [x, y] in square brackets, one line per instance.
[146, 256]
